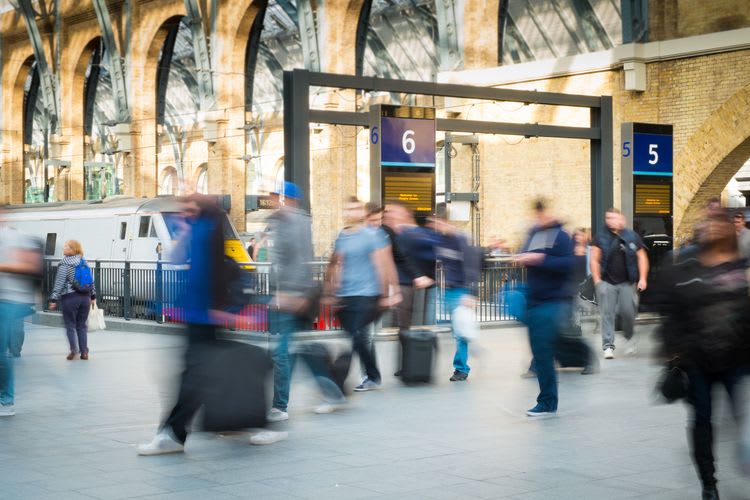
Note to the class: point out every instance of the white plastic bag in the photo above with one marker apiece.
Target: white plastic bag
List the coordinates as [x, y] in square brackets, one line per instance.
[464, 323]
[96, 319]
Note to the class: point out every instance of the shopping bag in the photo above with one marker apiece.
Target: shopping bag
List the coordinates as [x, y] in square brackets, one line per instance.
[464, 324]
[96, 319]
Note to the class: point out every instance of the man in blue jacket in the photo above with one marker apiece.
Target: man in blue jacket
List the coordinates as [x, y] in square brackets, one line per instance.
[548, 257]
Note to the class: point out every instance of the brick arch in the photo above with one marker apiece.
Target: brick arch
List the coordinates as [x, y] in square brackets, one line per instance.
[16, 75]
[710, 158]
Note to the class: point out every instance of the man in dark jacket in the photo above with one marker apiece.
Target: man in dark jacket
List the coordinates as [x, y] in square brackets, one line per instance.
[619, 267]
[548, 257]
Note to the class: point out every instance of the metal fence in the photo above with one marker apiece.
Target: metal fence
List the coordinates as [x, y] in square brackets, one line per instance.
[153, 291]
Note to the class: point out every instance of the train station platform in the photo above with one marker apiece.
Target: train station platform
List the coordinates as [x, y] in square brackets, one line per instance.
[78, 422]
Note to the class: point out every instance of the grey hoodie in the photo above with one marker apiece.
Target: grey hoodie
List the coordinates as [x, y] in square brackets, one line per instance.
[291, 252]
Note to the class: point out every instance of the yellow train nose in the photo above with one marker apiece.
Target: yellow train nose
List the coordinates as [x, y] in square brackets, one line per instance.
[236, 251]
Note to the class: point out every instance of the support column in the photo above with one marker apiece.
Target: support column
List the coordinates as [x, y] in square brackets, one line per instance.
[226, 168]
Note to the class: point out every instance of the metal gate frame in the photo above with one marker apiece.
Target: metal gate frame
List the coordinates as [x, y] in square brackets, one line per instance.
[298, 116]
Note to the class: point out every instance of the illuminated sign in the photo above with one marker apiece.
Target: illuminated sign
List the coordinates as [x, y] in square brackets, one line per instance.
[415, 190]
[653, 199]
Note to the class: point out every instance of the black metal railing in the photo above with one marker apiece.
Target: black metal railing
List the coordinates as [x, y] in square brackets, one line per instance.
[152, 291]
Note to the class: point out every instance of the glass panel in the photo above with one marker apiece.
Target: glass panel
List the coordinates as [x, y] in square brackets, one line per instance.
[101, 181]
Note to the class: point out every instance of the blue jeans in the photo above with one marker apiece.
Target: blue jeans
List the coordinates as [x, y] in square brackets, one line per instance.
[10, 313]
[545, 322]
[284, 325]
[453, 298]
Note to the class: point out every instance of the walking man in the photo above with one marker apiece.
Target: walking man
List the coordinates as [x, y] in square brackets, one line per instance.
[548, 258]
[619, 267]
[291, 282]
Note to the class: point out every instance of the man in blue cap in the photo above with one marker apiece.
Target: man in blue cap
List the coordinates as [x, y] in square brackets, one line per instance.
[291, 282]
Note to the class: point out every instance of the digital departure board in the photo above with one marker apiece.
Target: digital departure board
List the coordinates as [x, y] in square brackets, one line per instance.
[413, 189]
[653, 198]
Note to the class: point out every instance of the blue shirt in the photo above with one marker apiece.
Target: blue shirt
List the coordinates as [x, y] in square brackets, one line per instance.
[359, 277]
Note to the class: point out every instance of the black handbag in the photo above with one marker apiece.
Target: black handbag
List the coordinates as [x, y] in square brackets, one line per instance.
[673, 384]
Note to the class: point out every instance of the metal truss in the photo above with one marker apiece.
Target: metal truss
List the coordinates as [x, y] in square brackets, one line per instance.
[449, 44]
[46, 80]
[114, 63]
[202, 56]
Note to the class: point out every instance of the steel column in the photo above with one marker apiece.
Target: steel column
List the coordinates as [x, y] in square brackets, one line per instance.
[114, 61]
[449, 42]
[602, 174]
[297, 132]
[308, 34]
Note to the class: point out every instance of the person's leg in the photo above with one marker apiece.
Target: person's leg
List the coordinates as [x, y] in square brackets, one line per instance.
[542, 332]
[17, 335]
[453, 298]
[626, 307]
[191, 383]
[69, 306]
[82, 315]
[606, 296]
[284, 326]
[7, 393]
[430, 305]
[404, 312]
[701, 432]
[359, 314]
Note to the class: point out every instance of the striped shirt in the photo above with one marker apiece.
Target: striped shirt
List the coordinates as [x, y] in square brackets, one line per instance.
[66, 273]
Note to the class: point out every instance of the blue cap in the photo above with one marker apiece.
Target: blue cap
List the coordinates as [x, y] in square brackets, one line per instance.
[291, 190]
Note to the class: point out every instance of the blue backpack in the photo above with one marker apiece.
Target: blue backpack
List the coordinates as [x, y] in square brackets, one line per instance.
[83, 280]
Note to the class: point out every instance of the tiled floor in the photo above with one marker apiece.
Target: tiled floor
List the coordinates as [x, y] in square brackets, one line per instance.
[78, 422]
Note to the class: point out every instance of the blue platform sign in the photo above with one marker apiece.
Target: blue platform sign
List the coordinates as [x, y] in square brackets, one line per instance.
[407, 142]
[652, 154]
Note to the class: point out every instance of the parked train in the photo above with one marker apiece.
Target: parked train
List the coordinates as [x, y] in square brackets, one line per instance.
[114, 229]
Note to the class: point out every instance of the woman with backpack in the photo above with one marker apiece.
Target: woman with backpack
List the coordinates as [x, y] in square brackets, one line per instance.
[74, 287]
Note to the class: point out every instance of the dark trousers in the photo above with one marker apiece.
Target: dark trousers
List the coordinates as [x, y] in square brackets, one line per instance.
[356, 314]
[189, 397]
[545, 322]
[701, 431]
[75, 309]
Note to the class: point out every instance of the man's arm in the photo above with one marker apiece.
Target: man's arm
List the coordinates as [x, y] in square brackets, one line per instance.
[386, 268]
[595, 264]
[22, 261]
[642, 269]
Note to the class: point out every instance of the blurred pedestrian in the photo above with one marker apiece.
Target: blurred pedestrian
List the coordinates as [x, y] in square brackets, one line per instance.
[251, 247]
[360, 277]
[414, 255]
[548, 257]
[584, 288]
[203, 246]
[74, 287]
[704, 299]
[461, 267]
[743, 234]
[291, 285]
[619, 267]
[19, 261]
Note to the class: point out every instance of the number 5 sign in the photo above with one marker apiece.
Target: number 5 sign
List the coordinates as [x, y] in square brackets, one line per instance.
[647, 148]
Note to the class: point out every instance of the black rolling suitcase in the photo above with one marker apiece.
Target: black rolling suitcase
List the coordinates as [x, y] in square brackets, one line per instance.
[572, 352]
[322, 363]
[234, 377]
[418, 356]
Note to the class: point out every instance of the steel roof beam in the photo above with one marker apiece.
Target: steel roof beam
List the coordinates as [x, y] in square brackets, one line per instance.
[114, 62]
[46, 81]
[202, 57]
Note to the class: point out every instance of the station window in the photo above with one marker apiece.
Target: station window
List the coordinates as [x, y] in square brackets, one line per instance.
[143, 227]
[49, 246]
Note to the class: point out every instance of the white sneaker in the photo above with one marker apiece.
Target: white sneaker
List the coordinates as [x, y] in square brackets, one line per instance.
[7, 410]
[631, 347]
[162, 444]
[330, 407]
[268, 437]
[609, 353]
[276, 415]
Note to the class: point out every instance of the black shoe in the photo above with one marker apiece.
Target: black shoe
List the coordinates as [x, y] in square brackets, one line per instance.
[459, 376]
[710, 493]
[398, 373]
[589, 370]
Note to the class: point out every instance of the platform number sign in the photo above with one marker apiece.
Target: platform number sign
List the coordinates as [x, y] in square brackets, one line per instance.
[402, 140]
[648, 148]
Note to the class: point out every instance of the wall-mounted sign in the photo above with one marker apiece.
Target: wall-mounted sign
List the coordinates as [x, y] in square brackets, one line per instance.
[402, 156]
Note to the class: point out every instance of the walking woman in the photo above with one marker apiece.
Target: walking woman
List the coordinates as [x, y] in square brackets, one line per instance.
[704, 297]
[74, 287]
